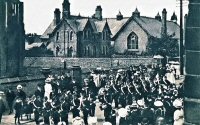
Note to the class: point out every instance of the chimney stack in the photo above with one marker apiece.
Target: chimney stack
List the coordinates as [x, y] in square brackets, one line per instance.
[164, 23]
[158, 17]
[56, 16]
[119, 16]
[98, 13]
[66, 9]
[174, 18]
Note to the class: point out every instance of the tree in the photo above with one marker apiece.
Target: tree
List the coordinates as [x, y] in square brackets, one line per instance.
[165, 46]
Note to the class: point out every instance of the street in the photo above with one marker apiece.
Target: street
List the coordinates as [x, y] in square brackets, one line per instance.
[9, 119]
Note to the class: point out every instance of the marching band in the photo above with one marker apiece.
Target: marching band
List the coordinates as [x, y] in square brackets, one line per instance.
[138, 96]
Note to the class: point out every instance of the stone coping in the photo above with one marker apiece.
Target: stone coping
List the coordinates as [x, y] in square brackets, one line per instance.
[21, 79]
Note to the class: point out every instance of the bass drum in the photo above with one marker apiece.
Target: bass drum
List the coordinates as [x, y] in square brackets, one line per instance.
[107, 123]
[77, 121]
[122, 112]
[92, 120]
[61, 123]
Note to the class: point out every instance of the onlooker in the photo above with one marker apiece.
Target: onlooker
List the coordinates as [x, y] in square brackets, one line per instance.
[10, 96]
[2, 108]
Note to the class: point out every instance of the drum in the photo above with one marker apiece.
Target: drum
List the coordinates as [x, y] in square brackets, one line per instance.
[61, 123]
[77, 121]
[92, 120]
[158, 103]
[122, 112]
[107, 123]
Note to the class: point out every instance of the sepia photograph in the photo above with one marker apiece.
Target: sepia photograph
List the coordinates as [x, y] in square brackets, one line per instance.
[99, 62]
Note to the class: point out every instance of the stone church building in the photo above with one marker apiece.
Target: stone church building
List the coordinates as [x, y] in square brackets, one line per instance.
[78, 36]
[11, 38]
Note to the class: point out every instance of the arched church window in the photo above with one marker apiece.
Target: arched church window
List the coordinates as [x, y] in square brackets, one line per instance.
[132, 41]
[67, 32]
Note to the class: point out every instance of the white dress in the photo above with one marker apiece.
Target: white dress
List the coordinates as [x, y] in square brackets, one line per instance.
[48, 90]
[178, 117]
[171, 78]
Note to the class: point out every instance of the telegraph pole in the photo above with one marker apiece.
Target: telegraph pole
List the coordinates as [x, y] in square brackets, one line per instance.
[181, 48]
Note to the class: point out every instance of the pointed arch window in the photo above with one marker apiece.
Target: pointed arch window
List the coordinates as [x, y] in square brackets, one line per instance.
[132, 42]
[71, 35]
[67, 35]
[85, 51]
[88, 51]
[94, 51]
[105, 34]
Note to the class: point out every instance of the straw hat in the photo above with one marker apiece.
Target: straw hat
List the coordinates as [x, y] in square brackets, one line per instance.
[48, 80]
[140, 102]
[19, 87]
[178, 103]
[122, 112]
[158, 103]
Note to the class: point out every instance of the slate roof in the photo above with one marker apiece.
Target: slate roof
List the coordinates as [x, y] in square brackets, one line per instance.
[100, 25]
[153, 26]
[49, 30]
[115, 25]
[149, 25]
[81, 23]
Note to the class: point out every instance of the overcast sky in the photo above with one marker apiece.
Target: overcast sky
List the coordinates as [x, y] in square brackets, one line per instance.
[39, 13]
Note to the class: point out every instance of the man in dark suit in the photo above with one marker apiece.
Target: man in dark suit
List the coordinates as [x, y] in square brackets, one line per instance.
[2, 108]
[10, 96]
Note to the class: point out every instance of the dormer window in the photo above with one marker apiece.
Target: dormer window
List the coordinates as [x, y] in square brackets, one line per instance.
[132, 42]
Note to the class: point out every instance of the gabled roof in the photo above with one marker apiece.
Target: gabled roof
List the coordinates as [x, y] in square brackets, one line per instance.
[49, 30]
[81, 23]
[76, 22]
[100, 25]
[153, 26]
[115, 25]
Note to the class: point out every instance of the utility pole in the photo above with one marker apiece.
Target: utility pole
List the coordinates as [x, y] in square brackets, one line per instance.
[181, 48]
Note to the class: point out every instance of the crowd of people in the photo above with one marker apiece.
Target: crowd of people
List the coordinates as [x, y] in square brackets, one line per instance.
[139, 95]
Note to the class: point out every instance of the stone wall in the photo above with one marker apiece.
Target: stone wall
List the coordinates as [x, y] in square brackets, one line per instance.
[56, 62]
